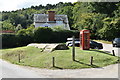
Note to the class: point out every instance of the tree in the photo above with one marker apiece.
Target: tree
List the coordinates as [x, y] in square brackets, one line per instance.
[59, 5]
[79, 9]
[104, 7]
[67, 10]
[25, 36]
[110, 29]
[117, 11]
[6, 25]
[49, 6]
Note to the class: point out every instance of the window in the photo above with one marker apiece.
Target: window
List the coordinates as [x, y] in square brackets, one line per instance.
[46, 26]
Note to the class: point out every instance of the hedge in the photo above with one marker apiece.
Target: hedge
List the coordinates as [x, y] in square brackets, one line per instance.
[8, 40]
[61, 36]
[12, 40]
[40, 35]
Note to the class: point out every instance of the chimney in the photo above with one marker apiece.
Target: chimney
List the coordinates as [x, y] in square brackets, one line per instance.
[51, 15]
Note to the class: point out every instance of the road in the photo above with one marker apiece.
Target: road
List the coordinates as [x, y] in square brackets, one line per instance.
[109, 48]
[15, 71]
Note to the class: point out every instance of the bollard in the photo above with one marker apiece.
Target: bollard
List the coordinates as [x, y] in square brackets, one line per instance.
[73, 48]
[113, 52]
[91, 60]
[19, 58]
[53, 61]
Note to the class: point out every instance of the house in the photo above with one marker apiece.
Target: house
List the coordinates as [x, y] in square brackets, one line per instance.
[51, 20]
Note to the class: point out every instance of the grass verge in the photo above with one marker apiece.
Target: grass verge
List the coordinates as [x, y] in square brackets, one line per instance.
[103, 41]
[31, 56]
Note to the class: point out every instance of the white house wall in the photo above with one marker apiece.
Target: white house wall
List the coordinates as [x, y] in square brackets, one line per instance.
[38, 24]
[53, 25]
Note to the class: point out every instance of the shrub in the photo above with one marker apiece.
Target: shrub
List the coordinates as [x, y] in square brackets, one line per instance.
[57, 28]
[25, 36]
[9, 40]
[42, 34]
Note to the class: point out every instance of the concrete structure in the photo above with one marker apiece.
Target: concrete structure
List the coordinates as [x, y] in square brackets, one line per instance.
[51, 20]
[49, 47]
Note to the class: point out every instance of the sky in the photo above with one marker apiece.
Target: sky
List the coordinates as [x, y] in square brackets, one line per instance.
[9, 5]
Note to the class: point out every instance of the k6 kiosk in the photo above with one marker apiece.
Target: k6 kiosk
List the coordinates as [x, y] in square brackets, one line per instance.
[85, 39]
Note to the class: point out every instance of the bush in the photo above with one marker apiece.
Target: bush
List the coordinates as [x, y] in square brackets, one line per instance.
[9, 40]
[25, 36]
[42, 34]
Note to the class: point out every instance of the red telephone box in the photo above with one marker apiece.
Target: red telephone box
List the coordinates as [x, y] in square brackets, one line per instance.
[85, 39]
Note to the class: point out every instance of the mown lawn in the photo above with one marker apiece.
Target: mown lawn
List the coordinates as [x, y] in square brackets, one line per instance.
[31, 56]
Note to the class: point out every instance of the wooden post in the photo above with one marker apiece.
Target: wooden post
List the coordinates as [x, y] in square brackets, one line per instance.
[19, 58]
[91, 60]
[73, 48]
[113, 52]
[53, 61]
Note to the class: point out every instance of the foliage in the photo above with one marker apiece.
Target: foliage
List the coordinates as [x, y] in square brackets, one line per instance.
[58, 28]
[90, 15]
[36, 35]
[67, 10]
[28, 31]
[42, 34]
[9, 40]
[6, 25]
[108, 8]
[111, 28]
[62, 35]
[25, 36]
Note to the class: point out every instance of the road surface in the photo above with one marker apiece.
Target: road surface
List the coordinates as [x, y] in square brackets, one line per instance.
[15, 71]
[109, 48]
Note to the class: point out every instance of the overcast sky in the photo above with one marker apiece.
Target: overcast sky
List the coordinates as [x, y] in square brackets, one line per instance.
[9, 5]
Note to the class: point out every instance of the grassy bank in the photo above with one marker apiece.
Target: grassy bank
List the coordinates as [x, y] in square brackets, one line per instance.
[31, 56]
